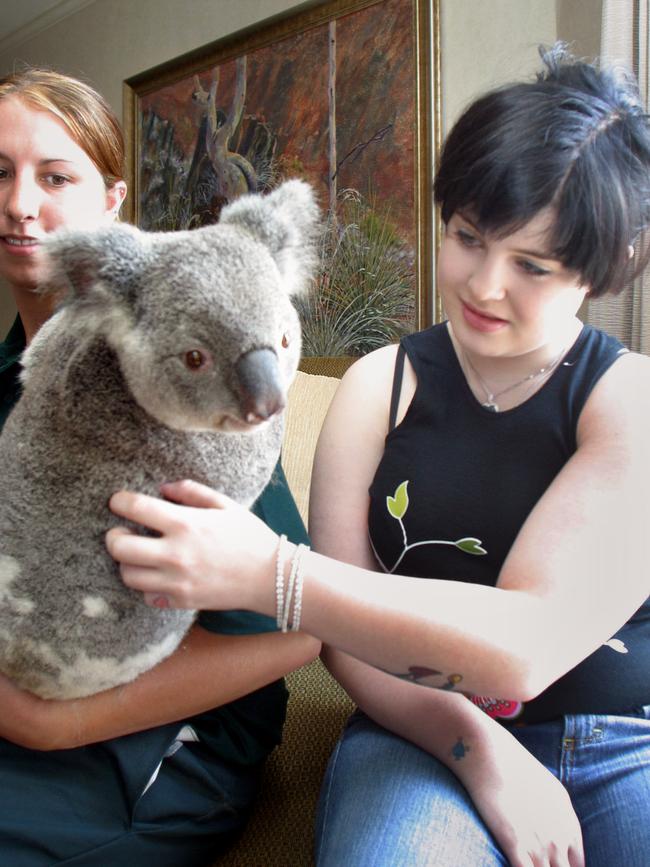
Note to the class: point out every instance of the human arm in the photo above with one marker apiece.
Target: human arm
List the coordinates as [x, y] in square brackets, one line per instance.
[525, 807]
[206, 671]
[495, 641]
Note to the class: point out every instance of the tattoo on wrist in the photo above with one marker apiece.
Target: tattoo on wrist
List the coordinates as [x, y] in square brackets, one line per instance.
[429, 677]
[459, 750]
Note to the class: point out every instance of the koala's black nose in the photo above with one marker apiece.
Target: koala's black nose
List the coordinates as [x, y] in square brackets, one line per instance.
[261, 386]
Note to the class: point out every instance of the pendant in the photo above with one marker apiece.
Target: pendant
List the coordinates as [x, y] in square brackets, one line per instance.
[493, 407]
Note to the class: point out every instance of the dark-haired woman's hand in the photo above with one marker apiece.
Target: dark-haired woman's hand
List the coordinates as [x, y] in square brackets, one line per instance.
[208, 551]
[526, 808]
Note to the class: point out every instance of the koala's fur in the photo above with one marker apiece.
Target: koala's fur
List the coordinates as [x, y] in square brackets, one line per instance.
[109, 402]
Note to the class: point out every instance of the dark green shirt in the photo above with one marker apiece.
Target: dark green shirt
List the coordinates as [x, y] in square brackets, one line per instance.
[10, 352]
[246, 730]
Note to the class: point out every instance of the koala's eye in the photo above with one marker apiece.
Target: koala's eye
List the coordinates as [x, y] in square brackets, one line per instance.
[285, 340]
[194, 359]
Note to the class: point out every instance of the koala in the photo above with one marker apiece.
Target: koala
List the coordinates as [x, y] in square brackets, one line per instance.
[170, 357]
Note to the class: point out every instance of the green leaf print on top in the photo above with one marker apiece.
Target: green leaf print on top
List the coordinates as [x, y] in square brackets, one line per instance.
[470, 546]
[397, 506]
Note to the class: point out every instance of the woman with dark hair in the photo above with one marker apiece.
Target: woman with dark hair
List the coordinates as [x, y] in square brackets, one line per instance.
[503, 457]
[162, 770]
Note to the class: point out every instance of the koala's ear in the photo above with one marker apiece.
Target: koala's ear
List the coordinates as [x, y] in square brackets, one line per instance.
[85, 265]
[286, 221]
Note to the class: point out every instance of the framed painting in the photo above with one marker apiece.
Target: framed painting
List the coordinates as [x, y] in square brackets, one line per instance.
[343, 94]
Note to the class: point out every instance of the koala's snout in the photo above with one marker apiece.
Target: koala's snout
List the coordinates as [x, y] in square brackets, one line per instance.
[261, 387]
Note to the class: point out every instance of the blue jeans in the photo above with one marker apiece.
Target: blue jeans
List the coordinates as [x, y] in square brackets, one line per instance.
[386, 803]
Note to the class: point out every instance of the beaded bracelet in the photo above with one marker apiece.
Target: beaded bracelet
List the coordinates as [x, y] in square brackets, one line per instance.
[279, 580]
[293, 595]
[290, 585]
[297, 607]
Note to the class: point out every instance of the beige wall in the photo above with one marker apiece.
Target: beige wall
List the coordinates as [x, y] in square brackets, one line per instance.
[578, 22]
[106, 41]
[489, 43]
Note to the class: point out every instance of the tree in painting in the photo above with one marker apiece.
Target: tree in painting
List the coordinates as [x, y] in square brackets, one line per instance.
[234, 154]
[332, 104]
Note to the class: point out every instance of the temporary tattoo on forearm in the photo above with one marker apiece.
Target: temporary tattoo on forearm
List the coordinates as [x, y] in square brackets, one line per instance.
[428, 677]
[459, 750]
[452, 681]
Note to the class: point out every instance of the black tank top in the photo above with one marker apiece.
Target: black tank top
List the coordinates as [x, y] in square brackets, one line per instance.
[457, 481]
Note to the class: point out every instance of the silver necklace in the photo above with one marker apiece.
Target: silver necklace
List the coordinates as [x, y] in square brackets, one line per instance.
[491, 396]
